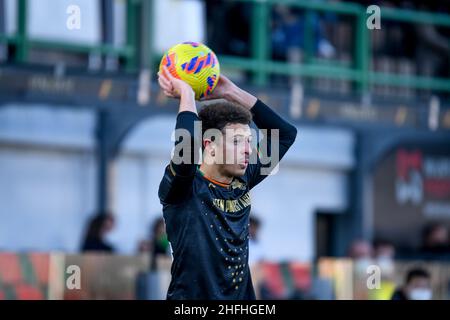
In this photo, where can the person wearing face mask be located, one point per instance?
(417, 286)
(384, 254)
(361, 252)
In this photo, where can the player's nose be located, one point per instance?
(248, 149)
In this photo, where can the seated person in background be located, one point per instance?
(159, 243)
(360, 249)
(435, 239)
(383, 249)
(384, 254)
(417, 286)
(256, 252)
(98, 227)
(361, 252)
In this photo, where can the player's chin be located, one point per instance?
(239, 170)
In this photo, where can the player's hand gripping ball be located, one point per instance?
(194, 63)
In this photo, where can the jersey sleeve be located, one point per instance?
(176, 184)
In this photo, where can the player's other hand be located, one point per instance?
(224, 88)
(171, 86)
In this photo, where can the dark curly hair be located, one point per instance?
(218, 115)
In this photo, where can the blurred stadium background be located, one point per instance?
(85, 135)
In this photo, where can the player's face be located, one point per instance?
(235, 149)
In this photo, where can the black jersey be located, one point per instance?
(207, 222)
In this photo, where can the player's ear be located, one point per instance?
(207, 145)
(210, 146)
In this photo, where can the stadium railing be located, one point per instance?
(260, 63)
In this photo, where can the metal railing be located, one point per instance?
(23, 43)
(359, 71)
(260, 63)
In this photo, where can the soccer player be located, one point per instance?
(206, 207)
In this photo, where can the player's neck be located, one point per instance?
(212, 172)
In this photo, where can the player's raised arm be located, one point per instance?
(265, 118)
(176, 184)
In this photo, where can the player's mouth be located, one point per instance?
(244, 164)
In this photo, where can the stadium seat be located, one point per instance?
(10, 269)
(301, 275)
(27, 292)
(273, 279)
(41, 263)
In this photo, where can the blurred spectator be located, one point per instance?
(360, 249)
(255, 259)
(433, 45)
(159, 243)
(256, 252)
(383, 249)
(361, 252)
(148, 284)
(384, 254)
(98, 227)
(417, 286)
(144, 246)
(225, 37)
(288, 34)
(435, 239)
